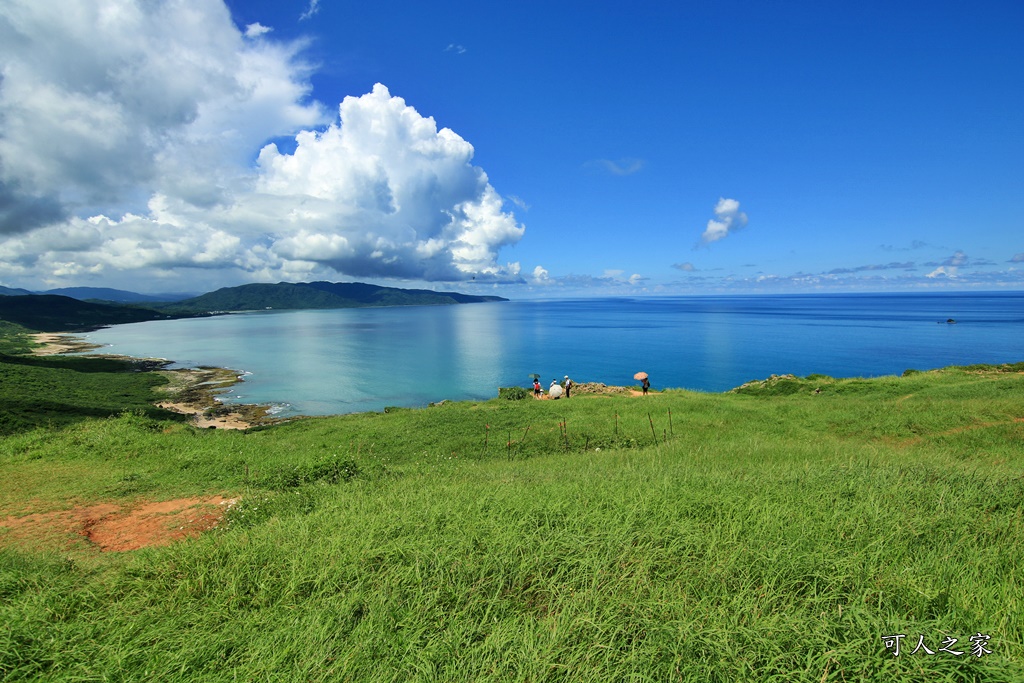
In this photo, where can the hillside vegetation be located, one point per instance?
(54, 313)
(768, 535)
(306, 295)
(58, 313)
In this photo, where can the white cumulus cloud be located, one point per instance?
(101, 101)
(943, 271)
(402, 196)
(130, 150)
(256, 30)
(728, 219)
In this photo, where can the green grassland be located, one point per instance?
(777, 533)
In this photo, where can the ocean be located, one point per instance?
(324, 362)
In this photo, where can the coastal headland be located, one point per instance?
(191, 391)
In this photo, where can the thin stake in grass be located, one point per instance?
(653, 433)
(563, 430)
(670, 431)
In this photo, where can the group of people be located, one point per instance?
(555, 390)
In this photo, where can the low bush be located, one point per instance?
(514, 393)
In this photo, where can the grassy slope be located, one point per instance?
(57, 391)
(766, 537)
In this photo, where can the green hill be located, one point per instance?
(53, 313)
(285, 295)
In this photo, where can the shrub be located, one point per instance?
(331, 471)
(514, 393)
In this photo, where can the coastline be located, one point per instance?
(194, 391)
(191, 391)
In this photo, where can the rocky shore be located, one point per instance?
(190, 391)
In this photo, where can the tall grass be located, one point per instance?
(759, 537)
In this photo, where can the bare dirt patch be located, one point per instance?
(110, 527)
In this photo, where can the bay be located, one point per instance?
(322, 362)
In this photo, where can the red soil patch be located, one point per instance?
(110, 527)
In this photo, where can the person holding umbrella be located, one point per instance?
(645, 382)
(555, 390)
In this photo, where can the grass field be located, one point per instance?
(781, 533)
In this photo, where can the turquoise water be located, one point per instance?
(352, 360)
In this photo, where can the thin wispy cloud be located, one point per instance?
(518, 201)
(956, 260)
(314, 7)
(907, 265)
(1017, 258)
(622, 167)
(616, 275)
(685, 267)
(914, 245)
(728, 219)
(457, 49)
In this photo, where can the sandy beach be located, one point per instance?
(56, 343)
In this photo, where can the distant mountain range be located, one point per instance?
(52, 313)
(285, 295)
(84, 308)
(118, 296)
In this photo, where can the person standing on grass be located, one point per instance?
(537, 391)
(646, 384)
(568, 385)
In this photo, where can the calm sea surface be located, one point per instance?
(351, 360)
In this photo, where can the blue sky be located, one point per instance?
(591, 148)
